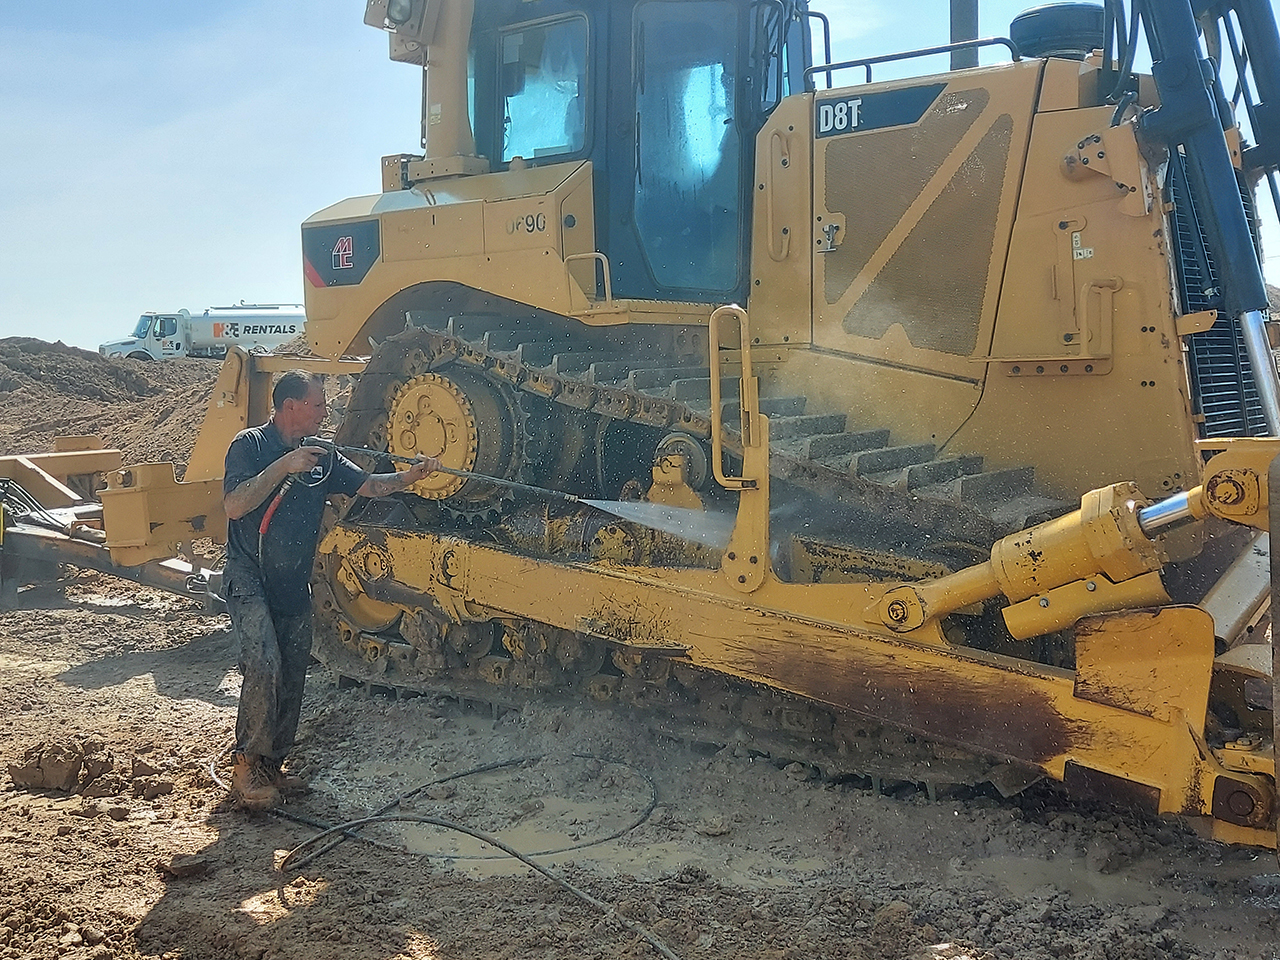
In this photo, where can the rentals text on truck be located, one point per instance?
(247, 325)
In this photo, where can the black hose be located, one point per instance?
(335, 835)
(555, 878)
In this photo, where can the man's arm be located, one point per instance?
(385, 484)
(245, 498)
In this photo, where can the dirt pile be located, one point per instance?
(152, 411)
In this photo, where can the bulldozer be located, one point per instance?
(917, 428)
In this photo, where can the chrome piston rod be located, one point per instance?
(1166, 513)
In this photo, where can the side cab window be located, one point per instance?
(543, 87)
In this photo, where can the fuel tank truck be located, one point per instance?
(833, 378)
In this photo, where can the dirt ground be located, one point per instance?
(128, 695)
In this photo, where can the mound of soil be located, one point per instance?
(150, 410)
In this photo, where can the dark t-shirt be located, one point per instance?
(284, 573)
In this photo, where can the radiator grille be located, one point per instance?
(1222, 384)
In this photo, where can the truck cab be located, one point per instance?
(156, 336)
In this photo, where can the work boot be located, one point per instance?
(284, 782)
(251, 784)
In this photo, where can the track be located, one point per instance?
(583, 414)
(556, 406)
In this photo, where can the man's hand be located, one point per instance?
(421, 470)
(303, 459)
(385, 484)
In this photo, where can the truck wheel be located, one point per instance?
(139, 356)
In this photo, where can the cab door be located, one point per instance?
(172, 344)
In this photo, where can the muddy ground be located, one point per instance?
(129, 696)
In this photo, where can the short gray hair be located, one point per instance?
(294, 385)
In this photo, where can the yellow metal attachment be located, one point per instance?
(1093, 560)
(670, 484)
(432, 417)
(746, 560)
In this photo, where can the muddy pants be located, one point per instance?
(274, 653)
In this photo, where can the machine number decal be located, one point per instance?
(529, 223)
(836, 116)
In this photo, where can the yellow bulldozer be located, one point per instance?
(917, 428)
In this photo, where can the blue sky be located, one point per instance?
(163, 155)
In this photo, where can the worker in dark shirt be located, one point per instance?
(274, 492)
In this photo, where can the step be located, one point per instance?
(770, 406)
(1028, 509)
(829, 445)
(698, 390)
(607, 371)
(998, 484)
(427, 319)
(891, 458)
(501, 341)
(573, 363)
(925, 474)
(784, 428)
(983, 488)
(661, 378)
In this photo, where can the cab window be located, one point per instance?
(168, 327)
(689, 147)
(543, 83)
(143, 328)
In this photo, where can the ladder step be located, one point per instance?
(891, 458)
(662, 377)
(997, 484)
(806, 426)
(835, 444)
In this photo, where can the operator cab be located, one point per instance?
(665, 97)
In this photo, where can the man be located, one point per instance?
(267, 577)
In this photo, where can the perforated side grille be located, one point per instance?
(1222, 383)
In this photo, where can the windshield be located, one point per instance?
(144, 324)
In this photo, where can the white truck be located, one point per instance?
(182, 334)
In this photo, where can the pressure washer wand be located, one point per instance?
(510, 484)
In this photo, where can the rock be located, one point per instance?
(797, 771)
(713, 827)
(1104, 856)
(148, 788)
(92, 934)
(184, 865)
(118, 812)
(47, 767)
(110, 785)
(94, 767)
(142, 769)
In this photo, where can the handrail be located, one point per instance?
(748, 396)
(868, 62)
(604, 265)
